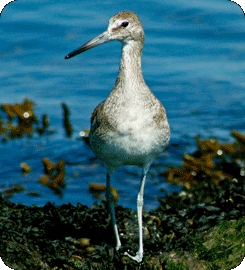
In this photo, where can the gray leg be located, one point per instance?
(139, 255)
(110, 201)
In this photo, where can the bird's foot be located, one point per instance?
(118, 246)
(138, 257)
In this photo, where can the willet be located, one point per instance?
(130, 127)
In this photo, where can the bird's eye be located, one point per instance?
(124, 24)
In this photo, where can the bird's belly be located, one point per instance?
(130, 144)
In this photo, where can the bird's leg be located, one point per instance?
(110, 201)
(139, 255)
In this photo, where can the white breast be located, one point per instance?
(135, 141)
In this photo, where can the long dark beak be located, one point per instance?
(100, 39)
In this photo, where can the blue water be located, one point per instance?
(193, 61)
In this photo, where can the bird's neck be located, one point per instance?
(130, 72)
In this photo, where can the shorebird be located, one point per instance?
(130, 127)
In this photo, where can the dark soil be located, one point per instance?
(69, 237)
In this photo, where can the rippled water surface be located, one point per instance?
(193, 61)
